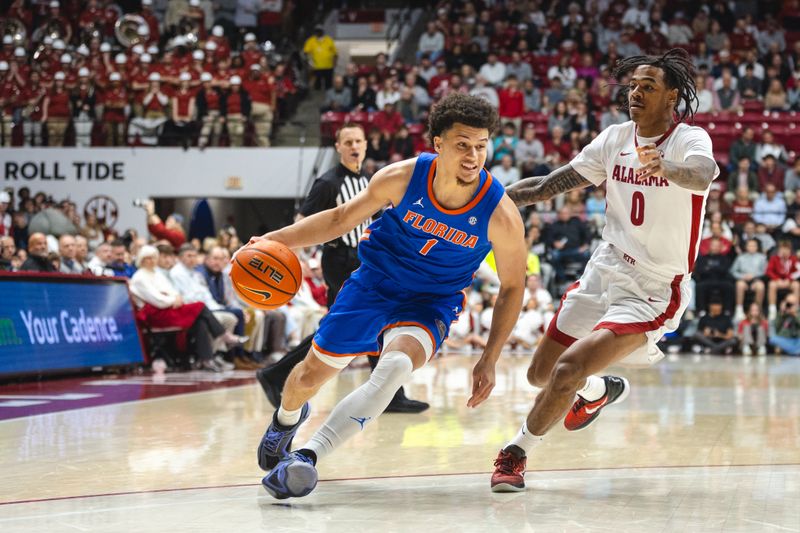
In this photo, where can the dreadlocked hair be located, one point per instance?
(679, 74)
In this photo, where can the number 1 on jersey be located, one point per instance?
(428, 245)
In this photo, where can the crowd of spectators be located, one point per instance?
(185, 76)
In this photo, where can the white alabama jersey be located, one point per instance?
(655, 223)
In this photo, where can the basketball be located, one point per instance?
(266, 274)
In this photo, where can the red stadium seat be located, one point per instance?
(753, 105)
(416, 129)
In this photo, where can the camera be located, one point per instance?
(140, 202)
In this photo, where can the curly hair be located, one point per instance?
(464, 109)
(679, 73)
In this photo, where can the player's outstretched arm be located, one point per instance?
(386, 187)
(540, 188)
(695, 174)
(507, 234)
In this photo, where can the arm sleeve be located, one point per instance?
(321, 197)
(590, 162)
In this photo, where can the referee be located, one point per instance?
(339, 257)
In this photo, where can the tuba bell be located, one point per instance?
(16, 29)
(127, 29)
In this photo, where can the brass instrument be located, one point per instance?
(127, 29)
(16, 29)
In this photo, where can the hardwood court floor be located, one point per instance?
(701, 444)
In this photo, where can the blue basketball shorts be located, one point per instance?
(369, 303)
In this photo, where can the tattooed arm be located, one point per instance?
(695, 174)
(537, 189)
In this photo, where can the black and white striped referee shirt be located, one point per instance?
(333, 188)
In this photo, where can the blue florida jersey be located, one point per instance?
(424, 247)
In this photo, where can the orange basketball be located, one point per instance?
(266, 274)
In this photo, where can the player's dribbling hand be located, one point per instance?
(252, 240)
(482, 383)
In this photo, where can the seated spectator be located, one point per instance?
(544, 300)
(303, 308)
(493, 71)
(553, 94)
(791, 230)
(716, 204)
(119, 260)
(776, 98)
(712, 276)
(5, 216)
(506, 142)
(716, 231)
(529, 151)
(407, 106)
(560, 118)
(532, 97)
(743, 176)
(744, 146)
(388, 94)
(584, 125)
(769, 146)
(402, 145)
(38, 258)
(160, 305)
(770, 208)
(512, 102)
(236, 109)
(506, 172)
(67, 251)
(338, 97)
(726, 98)
(564, 72)
(521, 70)
(99, 265)
(192, 287)
(364, 98)
(715, 331)
(749, 85)
(787, 327)
(748, 270)
(791, 181)
(377, 147)
(783, 271)
(530, 326)
(568, 239)
(388, 121)
(466, 331)
(7, 251)
(170, 230)
(770, 172)
(82, 253)
(431, 43)
(483, 90)
(753, 331)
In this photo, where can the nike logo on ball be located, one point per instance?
(264, 294)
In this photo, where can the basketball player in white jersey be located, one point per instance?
(657, 171)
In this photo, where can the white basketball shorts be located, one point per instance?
(614, 294)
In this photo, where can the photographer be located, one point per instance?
(169, 230)
(787, 327)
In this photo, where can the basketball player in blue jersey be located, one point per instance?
(446, 213)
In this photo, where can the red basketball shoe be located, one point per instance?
(509, 473)
(584, 412)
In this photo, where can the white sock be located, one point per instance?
(526, 440)
(594, 389)
(288, 418)
(362, 405)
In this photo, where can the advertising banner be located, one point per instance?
(56, 323)
(105, 181)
